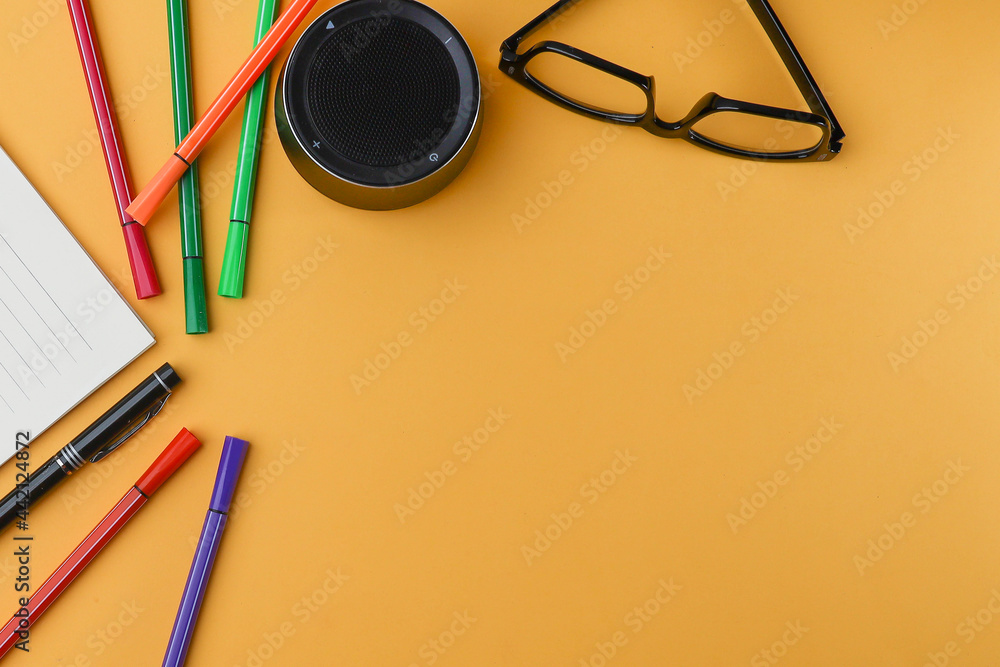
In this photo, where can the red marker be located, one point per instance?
(143, 274)
(176, 453)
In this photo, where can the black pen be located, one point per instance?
(102, 437)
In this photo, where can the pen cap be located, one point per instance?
(234, 451)
(169, 460)
(168, 376)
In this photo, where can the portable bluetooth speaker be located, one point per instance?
(379, 103)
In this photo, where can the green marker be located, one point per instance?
(234, 263)
(195, 308)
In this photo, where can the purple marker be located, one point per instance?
(234, 451)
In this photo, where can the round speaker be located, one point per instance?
(378, 105)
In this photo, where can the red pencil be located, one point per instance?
(176, 453)
(151, 196)
(143, 274)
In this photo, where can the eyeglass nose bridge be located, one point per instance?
(677, 129)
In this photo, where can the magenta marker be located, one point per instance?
(234, 452)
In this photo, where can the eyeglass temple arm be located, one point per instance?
(797, 67)
(775, 31)
(511, 43)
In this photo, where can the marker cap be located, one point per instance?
(146, 202)
(195, 304)
(170, 459)
(234, 452)
(234, 263)
(143, 274)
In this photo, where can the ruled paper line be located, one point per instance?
(33, 342)
(23, 360)
(30, 305)
(40, 285)
(14, 381)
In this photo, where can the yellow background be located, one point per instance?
(737, 233)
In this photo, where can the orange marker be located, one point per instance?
(147, 201)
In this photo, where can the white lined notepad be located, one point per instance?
(64, 329)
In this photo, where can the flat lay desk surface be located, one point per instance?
(606, 399)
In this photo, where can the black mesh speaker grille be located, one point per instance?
(383, 91)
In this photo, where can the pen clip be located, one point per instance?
(153, 411)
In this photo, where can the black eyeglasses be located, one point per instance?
(731, 127)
